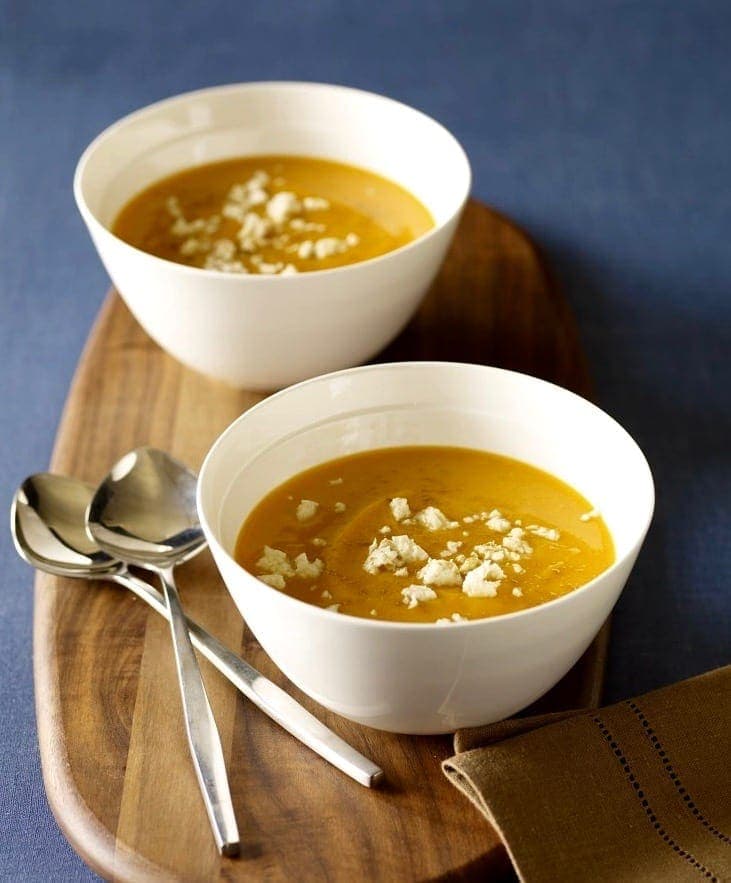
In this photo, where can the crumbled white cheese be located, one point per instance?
(548, 533)
(439, 572)
(518, 593)
(485, 550)
(328, 246)
(333, 607)
(469, 563)
(276, 580)
(339, 507)
(306, 509)
(469, 519)
(455, 617)
(225, 249)
(587, 516)
(351, 240)
(483, 581)
(305, 249)
(282, 206)
(253, 232)
(491, 570)
(275, 561)
(451, 548)
(310, 226)
(205, 226)
(194, 245)
(393, 553)
(288, 270)
(269, 269)
(381, 556)
(243, 197)
(402, 571)
(318, 541)
(374, 612)
(400, 508)
(409, 551)
(515, 543)
(413, 595)
(214, 263)
(434, 519)
(315, 203)
(384, 529)
(517, 568)
(496, 521)
(306, 569)
(325, 594)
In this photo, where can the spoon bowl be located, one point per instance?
(144, 512)
(47, 522)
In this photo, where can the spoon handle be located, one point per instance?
(266, 695)
(200, 724)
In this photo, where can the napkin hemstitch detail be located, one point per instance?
(649, 812)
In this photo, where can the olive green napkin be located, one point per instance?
(640, 790)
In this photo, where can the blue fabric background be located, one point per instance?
(602, 127)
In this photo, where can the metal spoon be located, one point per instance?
(144, 513)
(48, 526)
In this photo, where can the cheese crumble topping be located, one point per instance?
(275, 561)
(264, 220)
(478, 572)
(455, 617)
(400, 508)
(548, 533)
(497, 522)
(307, 569)
(434, 519)
(393, 553)
(439, 572)
(413, 595)
(306, 509)
(476, 586)
(276, 580)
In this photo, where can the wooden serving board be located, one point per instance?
(115, 760)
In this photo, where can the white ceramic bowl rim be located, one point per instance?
(381, 623)
(111, 130)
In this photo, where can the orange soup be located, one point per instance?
(425, 534)
(272, 215)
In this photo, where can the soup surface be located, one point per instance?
(272, 215)
(424, 534)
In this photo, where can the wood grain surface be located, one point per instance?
(114, 756)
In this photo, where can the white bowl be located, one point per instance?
(424, 678)
(263, 332)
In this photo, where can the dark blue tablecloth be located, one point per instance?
(602, 127)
